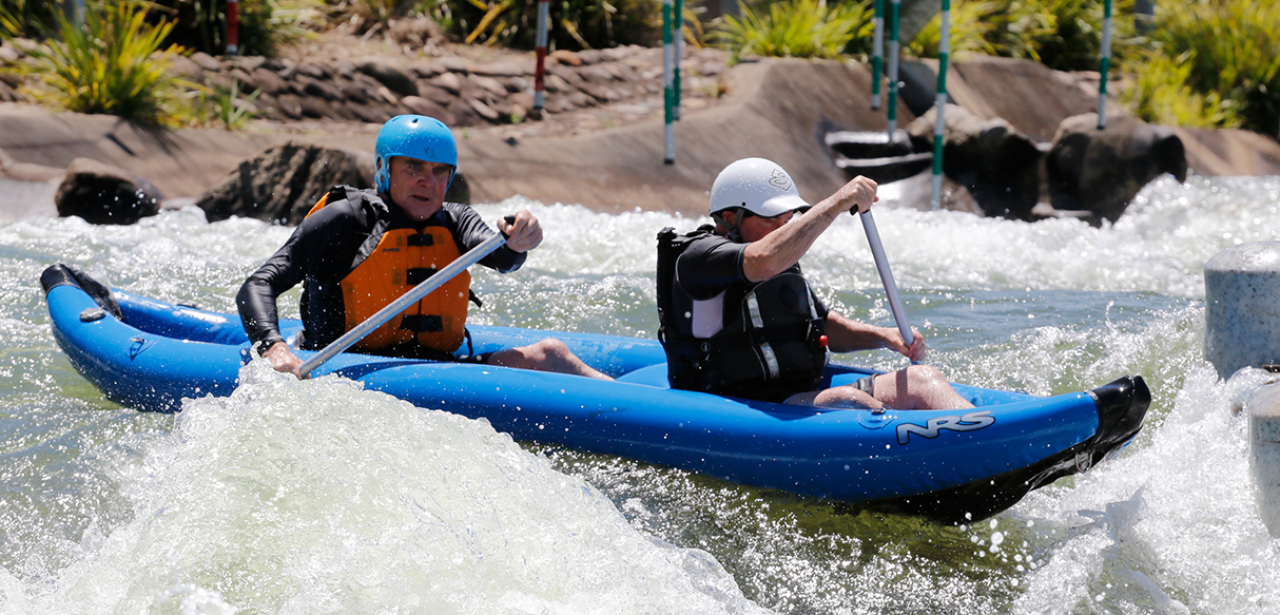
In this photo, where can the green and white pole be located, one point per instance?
(668, 97)
(677, 42)
(877, 55)
(893, 67)
(1106, 65)
(939, 129)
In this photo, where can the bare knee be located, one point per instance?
(925, 376)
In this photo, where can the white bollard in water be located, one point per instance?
(1264, 453)
(1242, 307)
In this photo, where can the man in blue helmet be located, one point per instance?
(359, 250)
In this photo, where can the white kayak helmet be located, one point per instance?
(757, 185)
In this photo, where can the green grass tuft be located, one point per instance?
(794, 28)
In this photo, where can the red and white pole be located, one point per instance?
(540, 71)
(233, 18)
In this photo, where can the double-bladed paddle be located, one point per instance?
(886, 276)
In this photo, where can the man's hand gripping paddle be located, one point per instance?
(472, 257)
(886, 276)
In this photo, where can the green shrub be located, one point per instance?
(1232, 48)
(795, 28)
(220, 106)
(28, 18)
(572, 24)
(1160, 95)
(261, 25)
(112, 65)
(970, 28)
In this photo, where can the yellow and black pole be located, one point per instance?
(939, 129)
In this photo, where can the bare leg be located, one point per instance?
(549, 355)
(844, 397)
(919, 387)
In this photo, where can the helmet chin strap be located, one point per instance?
(734, 234)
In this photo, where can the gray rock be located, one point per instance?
(448, 82)
(315, 71)
(421, 106)
(282, 183)
(249, 63)
(206, 61)
(267, 81)
(455, 65)
(322, 89)
(508, 68)
(315, 108)
(389, 75)
(998, 165)
(1102, 170)
(488, 84)
(104, 194)
(484, 110)
(435, 94)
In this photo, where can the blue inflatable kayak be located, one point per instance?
(150, 355)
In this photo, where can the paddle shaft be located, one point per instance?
(886, 276)
(472, 257)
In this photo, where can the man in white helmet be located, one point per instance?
(738, 317)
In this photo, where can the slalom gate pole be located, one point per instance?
(894, 7)
(677, 42)
(233, 21)
(1106, 65)
(668, 97)
(939, 132)
(540, 68)
(877, 55)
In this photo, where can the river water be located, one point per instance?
(318, 497)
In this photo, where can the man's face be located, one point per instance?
(754, 228)
(418, 186)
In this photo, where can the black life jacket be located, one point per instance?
(771, 344)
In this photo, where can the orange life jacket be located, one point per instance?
(403, 259)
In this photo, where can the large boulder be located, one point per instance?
(1102, 170)
(998, 165)
(103, 194)
(283, 182)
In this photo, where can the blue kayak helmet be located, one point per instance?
(415, 136)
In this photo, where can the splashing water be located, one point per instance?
(292, 497)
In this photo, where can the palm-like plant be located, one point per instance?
(795, 28)
(112, 65)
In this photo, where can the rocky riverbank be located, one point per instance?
(600, 141)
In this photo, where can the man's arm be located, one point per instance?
(470, 231)
(783, 248)
(847, 335)
(319, 242)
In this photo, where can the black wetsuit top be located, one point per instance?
(713, 264)
(732, 360)
(326, 247)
